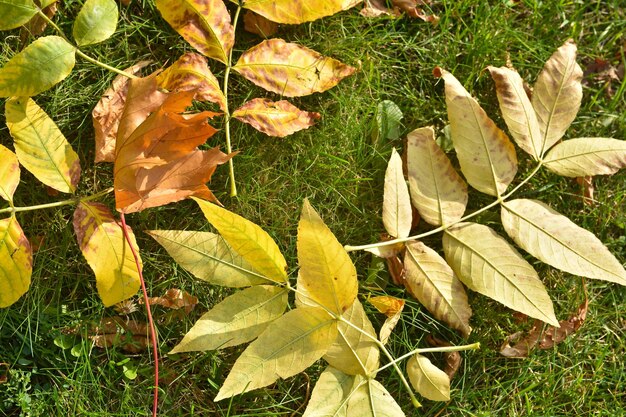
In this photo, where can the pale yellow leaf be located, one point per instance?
(387, 251)
(9, 173)
(16, 262)
(486, 154)
(288, 346)
(236, 320)
(431, 280)
(297, 11)
(40, 146)
(556, 240)
(487, 264)
(557, 94)
(330, 394)
(397, 213)
(587, 157)
(102, 243)
(391, 307)
(437, 191)
(369, 398)
(208, 257)
(251, 242)
(326, 271)
(517, 110)
(354, 353)
(430, 381)
(289, 69)
(275, 118)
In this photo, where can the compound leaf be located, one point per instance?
(102, 243)
(40, 146)
(437, 191)
(275, 118)
(297, 11)
(330, 394)
(96, 22)
(9, 173)
(587, 157)
(487, 264)
(430, 381)
(16, 262)
(397, 212)
(238, 319)
(486, 154)
(251, 242)
(41, 65)
(288, 346)
(16, 13)
(290, 69)
(554, 239)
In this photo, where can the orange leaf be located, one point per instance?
(280, 118)
(259, 25)
(175, 299)
(392, 308)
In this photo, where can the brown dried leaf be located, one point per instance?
(259, 25)
(586, 184)
(129, 335)
(279, 118)
(176, 299)
(396, 270)
(453, 359)
(376, 8)
(4, 375)
(38, 24)
(602, 71)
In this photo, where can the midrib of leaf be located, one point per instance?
(3, 240)
(352, 351)
(552, 108)
(527, 117)
(540, 230)
(593, 153)
(210, 28)
(371, 397)
(435, 178)
(332, 287)
(426, 375)
(271, 64)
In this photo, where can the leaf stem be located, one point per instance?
(473, 346)
(350, 248)
(155, 347)
(231, 166)
(71, 201)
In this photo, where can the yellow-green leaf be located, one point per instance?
(397, 212)
(23, 76)
(208, 257)
(205, 24)
(40, 146)
(96, 22)
(437, 190)
(486, 154)
(354, 353)
(297, 11)
(191, 72)
(517, 110)
(251, 242)
(16, 262)
(289, 69)
(431, 280)
(587, 157)
(557, 94)
(430, 381)
(275, 118)
(9, 173)
(369, 398)
(330, 394)
(102, 243)
(326, 274)
(236, 320)
(487, 264)
(16, 13)
(556, 240)
(288, 346)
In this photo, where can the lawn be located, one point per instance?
(337, 166)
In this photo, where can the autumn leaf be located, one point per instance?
(289, 69)
(329, 395)
(297, 11)
(275, 118)
(370, 398)
(9, 173)
(37, 24)
(453, 359)
(427, 379)
(392, 308)
(107, 252)
(16, 262)
(96, 22)
(129, 335)
(175, 299)
(587, 157)
(16, 13)
(259, 25)
(397, 213)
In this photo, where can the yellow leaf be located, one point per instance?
(297, 11)
(437, 191)
(354, 353)
(40, 146)
(431, 280)
(329, 395)
(275, 118)
(208, 257)
(102, 243)
(370, 398)
(289, 69)
(288, 346)
(326, 274)
(191, 72)
(9, 173)
(430, 381)
(517, 111)
(397, 212)
(587, 157)
(556, 240)
(16, 13)
(251, 242)
(391, 307)
(236, 320)
(96, 22)
(16, 262)
(486, 154)
(487, 264)
(557, 94)
(204, 24)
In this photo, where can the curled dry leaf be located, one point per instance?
(275, 118)
(259, 25)
(376, 8)
(396, 270)
(37, 24)
(392, 308)
(587, 188)
(176, 299)
(453, 359)
(129, 335)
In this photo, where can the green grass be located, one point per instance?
(334, 165)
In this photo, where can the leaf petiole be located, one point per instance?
(71, 201)
(473, 346)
